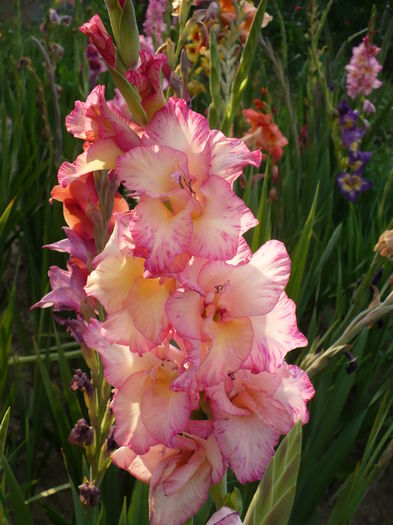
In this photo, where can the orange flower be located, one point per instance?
(80, 198)
(264, 134)
(247, 10)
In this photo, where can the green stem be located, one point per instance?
(218, 492)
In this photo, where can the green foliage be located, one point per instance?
(273, 499)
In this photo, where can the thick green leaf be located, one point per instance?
(19, 508)
(123, 514)
(138, 511)
(273, 499)
(301, 251)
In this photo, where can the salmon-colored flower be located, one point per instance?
(80, 201)
(264, 134)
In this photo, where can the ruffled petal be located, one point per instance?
(126, 405)
(275, 334)
(181, 505)
(180, 128)
(161, 236)
(119, 362)
(230, 156)
(112, 280)
(253, 288)
(184, 311)
(147, 307)
(119, 328)
(248, 445)
(100, 155)
(164, 412)
(223, 220)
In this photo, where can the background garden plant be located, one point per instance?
(341, 287)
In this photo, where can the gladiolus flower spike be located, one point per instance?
(186, 320)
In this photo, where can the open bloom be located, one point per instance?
(264, 134)
(183, 175)
(179, 477)
(147, 411)
(106, 131)
(352, 185)
(230, 317)
(250, 413)
(135, 304)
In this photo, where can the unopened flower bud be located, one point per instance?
(79, 381)
(225, 516)
(89, 494)
(385, 244)
(99, 36)
(81, 434)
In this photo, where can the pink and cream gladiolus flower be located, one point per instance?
(134, 303)
(106, 131)
(251, 411)
(179, 477)
(147, 411)
(228, 316)
(182, 174)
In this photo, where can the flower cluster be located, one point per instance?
(154, 25)
(363, 69)
(352, 130)
(231, 22)
(192, 328)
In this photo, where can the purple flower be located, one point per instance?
(351, 133)
(358, 161)
(351, 185)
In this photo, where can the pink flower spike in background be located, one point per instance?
(363, 69)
